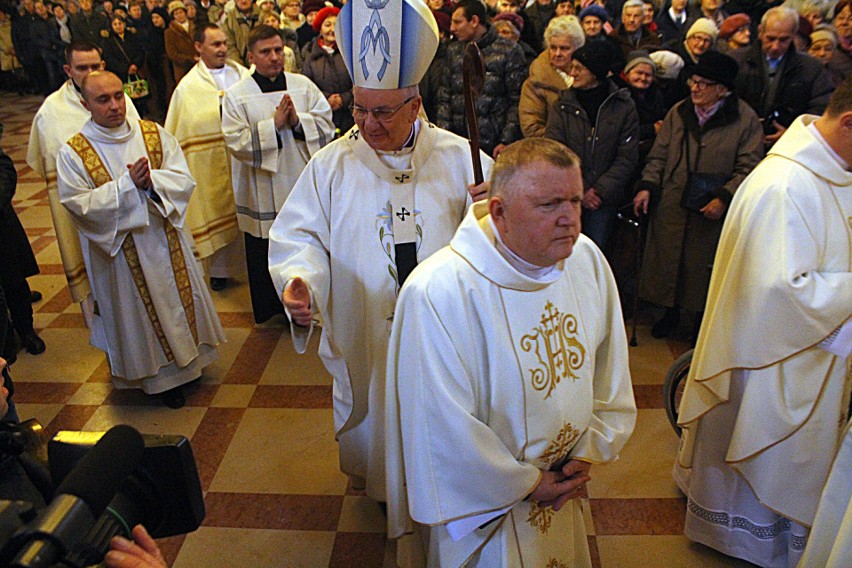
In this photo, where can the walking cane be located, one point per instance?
(473, 73)
(637, 224)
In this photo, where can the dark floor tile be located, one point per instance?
(57, 304)
(170, 547)
(291, 396)
(638, 516)
(365, 550)
(41, 243)
(253, 356)
(50, 269)
(71, 417)
(594, 552)
(44, 393)
(648, 396)
(68, 321)
(211, 440)
(101, 374)
(277, 512)
(236, 319)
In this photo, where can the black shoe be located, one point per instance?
(35, 296)
(218, 284)
(173, 398)
(33, 343)
(667, 324)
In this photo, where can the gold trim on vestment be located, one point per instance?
(100, 176)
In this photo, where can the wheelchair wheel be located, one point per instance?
(673, 387)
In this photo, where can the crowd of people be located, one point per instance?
(333, 138)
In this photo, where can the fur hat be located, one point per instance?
(703, 26)
(717, 67)
(175, 5)
(732, 24)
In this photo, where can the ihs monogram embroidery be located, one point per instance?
(557, 348)
(540, 517)
(558, 449)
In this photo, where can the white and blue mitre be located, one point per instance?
(387, 44)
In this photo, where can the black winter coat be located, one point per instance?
(329, 73)
(804, 86)
(16, 257)
(609, 152)
(497, 105)
(119, 53)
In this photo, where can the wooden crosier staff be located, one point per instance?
(473, 73)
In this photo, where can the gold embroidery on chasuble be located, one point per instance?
(540, 517)
(100, 176)
(557, 348)
(558, 449)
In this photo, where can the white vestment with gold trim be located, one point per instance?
(494, 377)
(195, 119)
(59, 118)
(161, 327)
(336, 232)
(764, 405)
(267, 162)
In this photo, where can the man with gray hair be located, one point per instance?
(631, 34)
(776, 80)
(518, 317)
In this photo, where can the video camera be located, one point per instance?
(107, 484)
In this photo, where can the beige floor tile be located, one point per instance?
(283, 451)
(661, 551)
(361, 514)
(286, 367)
(55, 364)
(41, 321)
(234, 298)
(38, 216)
(91, 393)
(148, 419)
(645, 464)
(227, 353)
(233, 396)
(44, 413)
(50, 254)
(49, 285)
(649, 360)
(211, 547)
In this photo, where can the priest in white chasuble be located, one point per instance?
(507, 377)
(273, 123)
(367, 209)
(126, 185)
(60, 117)
(767, 396)
(195, 119)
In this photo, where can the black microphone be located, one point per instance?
(80, 498)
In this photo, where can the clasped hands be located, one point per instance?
(140, 173)
(558, 487)
(285, 114)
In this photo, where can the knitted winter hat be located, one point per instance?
(703, 26)
(669, 64)
(175, 5)
(594, 10)
(634, 58)
(512, 18)
(824, 32)
(596, 56)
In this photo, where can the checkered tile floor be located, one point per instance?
(260, 422)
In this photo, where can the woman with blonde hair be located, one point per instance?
(549, 73)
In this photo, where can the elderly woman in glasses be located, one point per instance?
(549, 73)
(707, 145)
